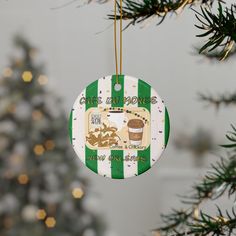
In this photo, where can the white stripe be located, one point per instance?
(136, 130)
(104, 86)
(78, 128)
(157, 128)
(130, 89)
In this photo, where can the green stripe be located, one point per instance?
(91, 155)
(117, 163)
(92, 92)
(91, 159)
(144, 91)
(70, 125)
(167, 127)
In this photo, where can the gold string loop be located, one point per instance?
(115, 39)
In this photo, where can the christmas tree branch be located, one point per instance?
(220, 29)
(222, 177)
(229, 99)
(215, 55)
(204, 224)
(191, 221)
(137, 12)
(175, 221)
(209, 225)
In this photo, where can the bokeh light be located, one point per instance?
(77, 193)
(50, 222)
(39, 149)
(23, 179)
(27, 76)
(41, 214)
(49, 144)
(42, 79)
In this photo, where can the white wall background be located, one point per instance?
(75, 56)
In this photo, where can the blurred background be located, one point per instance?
(62, 50)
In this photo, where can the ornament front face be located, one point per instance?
(119, 134)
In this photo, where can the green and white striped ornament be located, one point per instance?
(119, 134)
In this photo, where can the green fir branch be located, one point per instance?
(209, 225)
(222, 177)
(228, 99)
(139, 11)
(231, 136)
(181, 223)
(220, 29)
(215, 55)
(175, 221)
(192, 221)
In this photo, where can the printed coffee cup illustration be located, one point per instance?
(135, 129)
(117, 117)
(118, 128)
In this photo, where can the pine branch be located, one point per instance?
(222, 177)
(226, 100)
(181, 223)
(215, 55)
(220, 29)
(216, 182)
(209, 225)
(231, 136)
(175, 221)
(139, 11)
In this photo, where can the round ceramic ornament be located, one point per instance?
(119, 131)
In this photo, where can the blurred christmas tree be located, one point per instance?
(41, 190)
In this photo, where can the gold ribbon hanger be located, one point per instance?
(115, 39)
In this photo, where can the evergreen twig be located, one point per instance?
(181, 223)
(220, 28)
(192, 221)
(139, 11)
(229, 99)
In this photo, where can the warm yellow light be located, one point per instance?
(224, 219)
(42, 79)
(27, 76)
(77, 193)
(50, 222)
(23, 179)
(37, 115)
(7, 72)
(50, 145)
(41, 214)
(221, 219)
(196, 213)
(39, 149)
